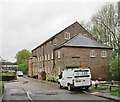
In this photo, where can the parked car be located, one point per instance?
(73, 78)
(19, 73)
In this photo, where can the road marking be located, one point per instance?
(93, 93)
(29, 97)
(85, 92)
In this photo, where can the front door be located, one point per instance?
(40, 71)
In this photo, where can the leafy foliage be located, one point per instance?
(103, 25)
(53, 78)
(8, 74)
(22, 56)
(115, 68)
(23, 67)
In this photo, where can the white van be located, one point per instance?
(72, 78)
(19, 73)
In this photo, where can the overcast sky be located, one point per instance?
(25, 24)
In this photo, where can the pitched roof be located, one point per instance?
(58, 34)
(83, 41)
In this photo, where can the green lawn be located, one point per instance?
(115, 92)
(100, 88)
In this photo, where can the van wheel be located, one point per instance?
(69, 87)
(59, 85)
(86, 88)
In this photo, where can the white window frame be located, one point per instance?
(58, 54)
(92, 53)
(52, 56)
(103, 54)
(48, 69)
(67, 35)
(59, 70)
(42, 58)
(48, 56)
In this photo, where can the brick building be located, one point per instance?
(72, 47)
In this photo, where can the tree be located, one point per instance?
(22, 60)
(22, 56)
(23, 67)
(115, 68)
(104, 25)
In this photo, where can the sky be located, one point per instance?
(25, 24)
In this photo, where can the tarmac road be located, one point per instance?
(33, 89)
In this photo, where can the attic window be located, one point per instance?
(67, 35)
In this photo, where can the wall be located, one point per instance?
(81, 57)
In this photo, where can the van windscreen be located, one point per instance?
(81, 70)
(81, 76)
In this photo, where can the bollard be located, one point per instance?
(96, 85)
(110, 88)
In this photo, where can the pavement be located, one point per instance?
(104, 95)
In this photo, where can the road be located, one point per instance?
(33, 89)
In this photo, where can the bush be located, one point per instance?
(8, 74)
(23, 67)
(115, 68)
(35, 76)
(53, 78)
(1, 88)
(43, 74)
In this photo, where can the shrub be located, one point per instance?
(53, 78)
(43, 74)
(115, 68)
(8, 74)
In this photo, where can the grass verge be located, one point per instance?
(100, 88)
(1, 88)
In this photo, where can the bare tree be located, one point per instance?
(104, 25)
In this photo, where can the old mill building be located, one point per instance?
(70, 48)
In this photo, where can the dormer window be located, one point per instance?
(67, 35)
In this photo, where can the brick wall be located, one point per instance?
(30, 67)
(81, 57)
(66, 55)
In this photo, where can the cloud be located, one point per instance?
(27, 23)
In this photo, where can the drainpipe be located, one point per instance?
(54, 56)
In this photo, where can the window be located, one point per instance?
(67, 35)
(52, 56)
(92, 53)
(48, 56)
(38, 59)
(42, 58)
(59, 71)
(48, 70)
(103, 53)
(45, 70)
(45, 57)
(58, 54)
